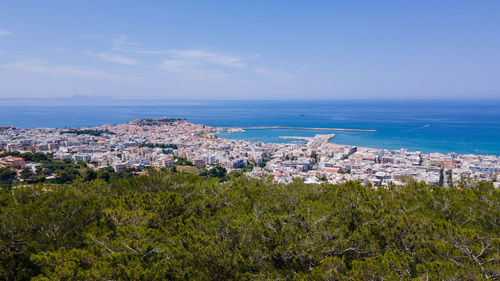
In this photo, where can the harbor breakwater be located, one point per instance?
(297, 128)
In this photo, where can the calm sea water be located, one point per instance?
(428, 126)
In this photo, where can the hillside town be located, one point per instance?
(162, 142)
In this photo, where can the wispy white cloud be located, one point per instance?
(194, 71)
(141, 51)
(178, 66)
(42, 67)
(114, 58)
(196, 64)
(122, 40)
(273, 72)
(209, 57)
(197, 55)
(4, 32)
(197, 61)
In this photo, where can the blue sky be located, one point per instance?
(251, 49)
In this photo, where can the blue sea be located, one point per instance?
(464, 126)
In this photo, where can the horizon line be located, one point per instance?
(109, 98)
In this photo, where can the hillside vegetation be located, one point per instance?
(181, 226)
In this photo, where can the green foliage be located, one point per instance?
(265, 159)
(65, 171)
(36, 157)
(185, 227)
(234, 173)
(314, 157)
(247, 168)
(26, 173)
(7, 175)
(345, 171)
(105, 174)
(441, 177)
(91, 132)
(323, 178)
(215, 172)
(156, 121)
(160, 145)
(449, 174)
(124, 174)
(347, 155)
(5, 128)
(68, 174)
(10, 153)
(182, 161)
(186, 169)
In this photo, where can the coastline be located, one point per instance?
(280, 136)
(157, 143)
(229, 133)
(465, 127)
